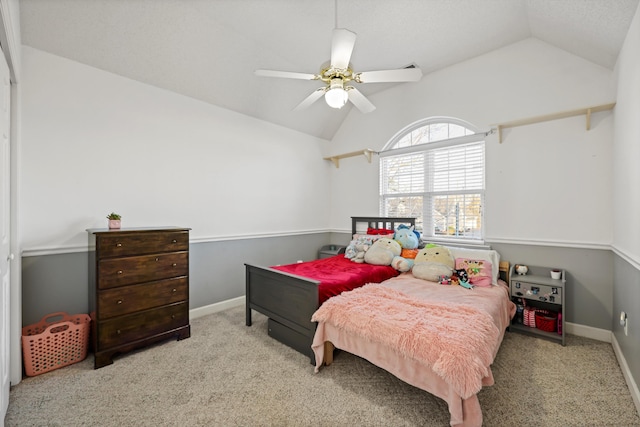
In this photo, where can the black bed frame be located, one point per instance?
(289, 301)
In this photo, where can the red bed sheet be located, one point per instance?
(337, 274)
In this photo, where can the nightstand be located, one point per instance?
(330, 250)
(537, 290)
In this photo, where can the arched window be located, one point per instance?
(434, 170)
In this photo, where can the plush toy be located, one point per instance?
(360, 249)
(358, 241)
(432, 262)
(460, 277)
(402, 264)
(407, 237)
(479, 271)
(465, 284)
(382, 252)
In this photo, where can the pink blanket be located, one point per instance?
(457, 316)
(455, 340)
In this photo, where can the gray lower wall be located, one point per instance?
(59, 282)
(589, 274)
(626, 297)
(52, 283)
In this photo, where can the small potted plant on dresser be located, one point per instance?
(114, 221)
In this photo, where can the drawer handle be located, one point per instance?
(174, 264)
(119, 301)
(119, 271)
(118, 245)
(174, 241)
(118, 332)
(173, 290)
(173, 316)
(157, 259)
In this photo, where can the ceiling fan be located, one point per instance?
(337, 74)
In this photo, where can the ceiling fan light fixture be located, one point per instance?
(336, 96)
(337, 74)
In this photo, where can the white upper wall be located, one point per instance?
(548, 182)
(94, 142)
(626, 155)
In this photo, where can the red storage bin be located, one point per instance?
(546, 320)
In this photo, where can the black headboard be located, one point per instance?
(380, 222)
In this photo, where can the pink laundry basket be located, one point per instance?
(51, 344)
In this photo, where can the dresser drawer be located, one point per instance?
(537, 292)
(115, 272)
(132, 298)
(123, 244)
(137, 326)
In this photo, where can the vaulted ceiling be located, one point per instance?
(209, 49)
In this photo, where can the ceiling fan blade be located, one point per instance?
(342, 43)
(286, 74)
(358, 99)
(315, 95)
(386, 76)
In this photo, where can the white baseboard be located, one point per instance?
(214, 308)
(588, 332)
(633, 387)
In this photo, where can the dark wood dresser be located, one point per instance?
(138, 288)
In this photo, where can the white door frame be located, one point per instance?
(5, 236)
(10, 39)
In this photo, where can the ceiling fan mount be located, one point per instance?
(328, 73)
(338, 72)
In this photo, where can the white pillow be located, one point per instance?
(484, 254)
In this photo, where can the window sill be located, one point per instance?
(466, 243)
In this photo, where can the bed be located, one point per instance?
(439, 338)
(289, 298)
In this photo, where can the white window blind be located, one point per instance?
(435, 172)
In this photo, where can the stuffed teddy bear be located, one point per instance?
(382, 252)
(433, 262)
(360, 249)
(407, 237)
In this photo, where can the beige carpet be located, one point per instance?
(228, 374)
